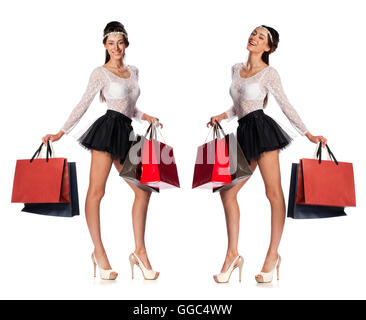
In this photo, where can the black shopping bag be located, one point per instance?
(304, 211)
(68, 209)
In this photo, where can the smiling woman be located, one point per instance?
(115, 40)
(109, 140)
(261, 139)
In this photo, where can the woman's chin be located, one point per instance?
(251, 49)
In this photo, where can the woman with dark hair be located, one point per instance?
(261, 140)
(109, 139)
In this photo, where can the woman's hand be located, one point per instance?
(151, 119)
(218, 118)
(317, 139)
(52, 137)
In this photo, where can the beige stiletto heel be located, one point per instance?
(95, 268)
(132, 263)
(240, 265)
(224, 277)
(147, 274)
(104, 274)
(266, 277)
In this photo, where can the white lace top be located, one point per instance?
(121, 95)
(248, 95)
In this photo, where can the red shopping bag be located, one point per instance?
(150, 170)
(41, 180)
(158, 168)
(325, 182)
(212, 168)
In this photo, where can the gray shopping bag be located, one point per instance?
(131, 170)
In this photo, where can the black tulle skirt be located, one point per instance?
(112, 133)
(258, 132)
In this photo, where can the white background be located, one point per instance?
(184, 51)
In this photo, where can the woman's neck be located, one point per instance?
(118, 63)
(254, 61)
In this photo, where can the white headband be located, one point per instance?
(270, 36)
(115, 32)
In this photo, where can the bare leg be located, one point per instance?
(99, 170)
(269, 167)
(232, 214)
(139, 212)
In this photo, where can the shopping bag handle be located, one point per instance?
(50, 148)
(330, 153)
(157, 130)
(147, 131)
(49, 151)
(318, 153)
(216, 131)
(217, 124)
(152, 132)
(209, 131)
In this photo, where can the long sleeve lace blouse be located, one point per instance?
(121, 95)
(248, 95)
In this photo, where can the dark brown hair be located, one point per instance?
(113, 26)
(273, 44)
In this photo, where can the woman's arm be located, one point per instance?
(217, 118)
(228, 114)
(274, 86)
(138, 114)
(94, 85)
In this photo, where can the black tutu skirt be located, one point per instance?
(258, 132)
(112, 133)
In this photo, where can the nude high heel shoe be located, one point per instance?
(224, 277)
(104, 274)
(266, 277)
(148, 274)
